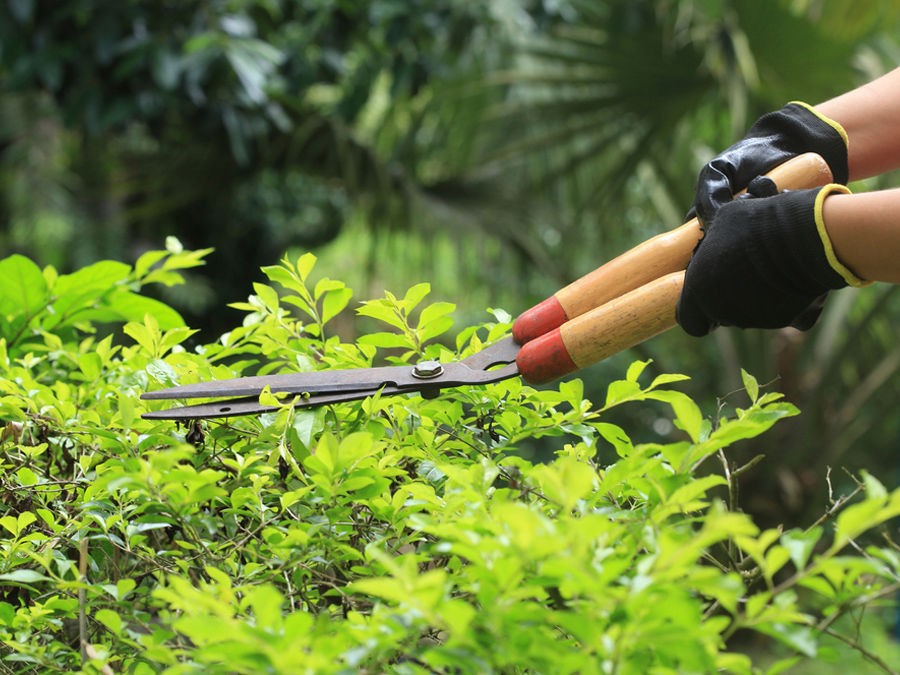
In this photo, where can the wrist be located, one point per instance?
(865, 233)
(826, 195)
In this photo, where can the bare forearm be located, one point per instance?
(870, 115)
(864, 229)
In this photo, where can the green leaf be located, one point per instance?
(23, 576)
(304, 265)
(23, 289)
(565, 481)
(667, 378)
(17, 525)
(620, 391)
(385, 588)
(130, 306)
(687, 495)
(306, 424)
(384, 311)
(267, 295)
(147, 261)
(334, 303)
(751, 385)
(687, 414)
(798, 637)
(800, 545)
(110, 619)
(435, 311)
(145, 334)
(858, 518)
(874, 488)
(635, 369)
(616, 436)
(326, 285)
(386, 340)
(415, 295)
(26, 477)
(266, 602)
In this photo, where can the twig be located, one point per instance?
(866, 654)
(82, 598)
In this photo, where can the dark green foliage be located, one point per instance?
(388, 535)
(246, 125)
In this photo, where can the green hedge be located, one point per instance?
(393, 534)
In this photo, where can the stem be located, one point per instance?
(866, 654)
(82, 598)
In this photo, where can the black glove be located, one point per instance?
(772, 140)
(764, 262)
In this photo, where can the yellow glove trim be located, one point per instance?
(836, 264)
(830, 122)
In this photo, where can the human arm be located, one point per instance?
(870, 116)
(864, 230)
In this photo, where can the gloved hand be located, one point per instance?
(763, 262)
(772, 140)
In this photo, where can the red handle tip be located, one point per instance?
(539, 320)
(545, 359)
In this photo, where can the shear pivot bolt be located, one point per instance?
(427, 370)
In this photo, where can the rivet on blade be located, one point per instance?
(427, 370)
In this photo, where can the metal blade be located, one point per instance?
(290, 383)
(249, 405)
(332, 386)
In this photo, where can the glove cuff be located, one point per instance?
(827, 120)
(836, 264)
(798, 128)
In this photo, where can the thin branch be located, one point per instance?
(865, 653)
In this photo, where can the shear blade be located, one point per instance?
(334, 386)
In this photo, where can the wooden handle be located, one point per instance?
(603, 331)
(652, 259)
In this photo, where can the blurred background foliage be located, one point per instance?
(498, 150)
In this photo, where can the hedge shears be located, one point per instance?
(618, 305)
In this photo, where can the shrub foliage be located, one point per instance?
(394, 534)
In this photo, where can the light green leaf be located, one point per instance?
(620, 391)
(800, 545)
(385, 588)
(26, 478)
(667, 378)
(858, 518)
(415, 295)
(386, 340)
(798, 637)
(635, 369)
(267, 295)
(23, 289)
(130, 306)
(304, 265)
(751, 385)
(616, 436)
(110, 619)
(384, 311)
(334, 303)
(326, 285)
(23, 576)
(306, 424)
(687, 414)
(146, 261)
(435, 311)
(266, 602)
(874, 488)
